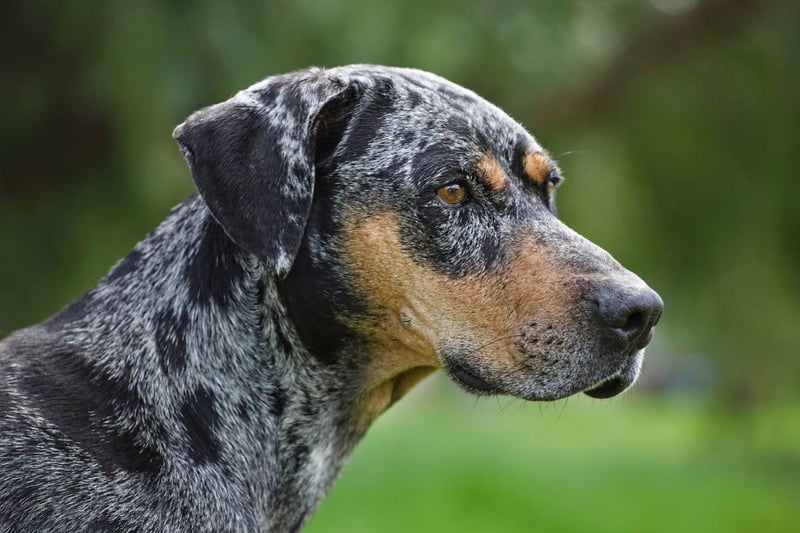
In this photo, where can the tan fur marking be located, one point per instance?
(537, 167)
(422, 311)
(376, 400)
(493, 171)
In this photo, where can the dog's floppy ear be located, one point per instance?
(252, 159)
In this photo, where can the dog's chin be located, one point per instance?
(618, 382)
(607, 385)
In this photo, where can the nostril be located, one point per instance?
(634, 323)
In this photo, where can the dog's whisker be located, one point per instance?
(571, 152)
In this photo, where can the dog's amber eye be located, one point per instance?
(452, 193)
(551, 186)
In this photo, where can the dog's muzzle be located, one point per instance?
(628, 317)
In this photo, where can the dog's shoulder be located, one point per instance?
(58, 445)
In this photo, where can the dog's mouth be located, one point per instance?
(618, 382)
(470, 380)
(608, 388)
(613, 383)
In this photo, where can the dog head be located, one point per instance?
(411, 225)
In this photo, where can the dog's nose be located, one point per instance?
(629, 312)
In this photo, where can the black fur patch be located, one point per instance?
(519, 151)
(127, 265)
(316, 301)
(214, 268)
(104, 525)
(277, 402)
(170, 337)
(299, 454)
(331, 125)
(5, 401)
(243, 410)
(22, 492)
(492, 251)
(436, 166)
(199, 419)
(83, 403)
(74, 312)
(280, 336)
(299, 523)
(370, 115)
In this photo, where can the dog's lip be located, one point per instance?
(618, 381)
(469, 379)
(608, 388)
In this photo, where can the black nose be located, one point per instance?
(629, 312)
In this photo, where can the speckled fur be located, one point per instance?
(221, 373)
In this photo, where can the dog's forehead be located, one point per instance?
(425, 108)
(428, 112)
(450, 109)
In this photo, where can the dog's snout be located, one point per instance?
(629, 313)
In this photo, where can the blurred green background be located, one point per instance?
(677, 125)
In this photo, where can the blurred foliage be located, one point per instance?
(676, 123)
(443, 462)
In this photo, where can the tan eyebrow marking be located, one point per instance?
(493, 172)
(537, 167)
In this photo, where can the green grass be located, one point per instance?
(441, 462)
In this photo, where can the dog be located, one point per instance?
(354, 230)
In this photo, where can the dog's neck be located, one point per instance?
(193, 332)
